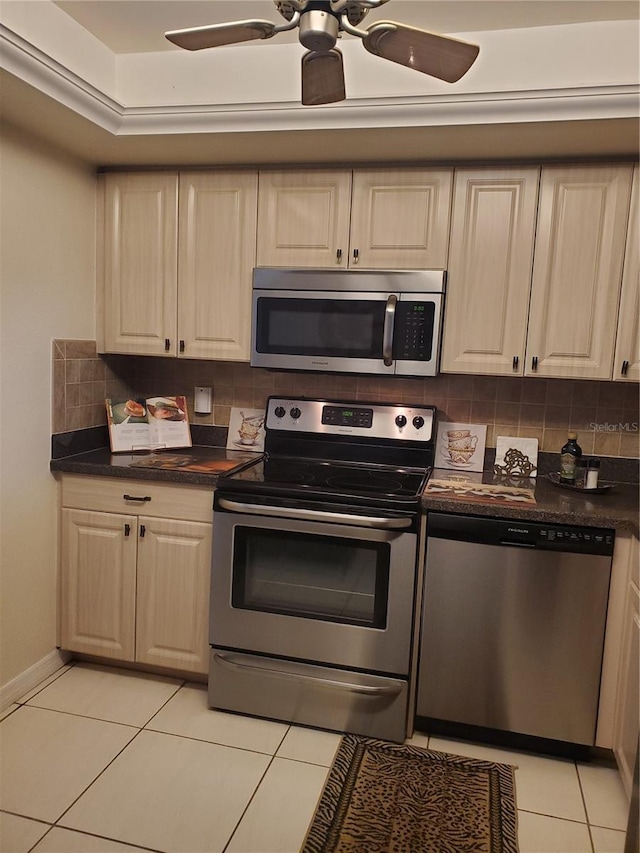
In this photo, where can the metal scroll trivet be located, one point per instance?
(516, 463)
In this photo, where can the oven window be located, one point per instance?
(320, 327)
(314, 577)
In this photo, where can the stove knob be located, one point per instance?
(418, 422)
(401, 421)
(295, 413)
(279, 411)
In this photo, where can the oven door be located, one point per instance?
(315, 586)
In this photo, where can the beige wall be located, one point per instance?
(47, 286)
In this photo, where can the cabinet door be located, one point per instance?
(489, 273)
(582, 223)
(303, 219)
(217, 249)
(626, 365)
(140, 263)
(174, 562)
(400, 218)
(98, 583)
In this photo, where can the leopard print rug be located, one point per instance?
(386, 798)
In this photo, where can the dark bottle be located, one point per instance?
(568, 456)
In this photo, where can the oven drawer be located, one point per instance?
(369, 705)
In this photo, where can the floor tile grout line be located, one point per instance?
(165, 703)
(45, 683)
(249, 801)
(93, 781)
(260, 781)
(95, 835)
(210, 742)
(83, 716)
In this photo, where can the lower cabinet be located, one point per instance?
(134, 586)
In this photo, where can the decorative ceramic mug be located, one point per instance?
(249, 428)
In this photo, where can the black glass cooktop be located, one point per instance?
(307, 477)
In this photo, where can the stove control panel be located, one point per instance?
(373, 420)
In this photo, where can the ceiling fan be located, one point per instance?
(321, 23)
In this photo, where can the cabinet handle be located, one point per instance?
(127, 529)
(516, 361)
(534, 363)
(167, 344)
(181, 346)
(625, 368)
(356, 256)
(143, 530)
(338, 256)
(134, 498)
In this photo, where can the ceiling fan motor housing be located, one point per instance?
(319, 28)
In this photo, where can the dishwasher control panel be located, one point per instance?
(521, 534)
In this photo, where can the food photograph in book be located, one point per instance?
(155, 423)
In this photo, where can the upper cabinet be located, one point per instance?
(534, 277)
(140, 263)
(489, 276)
(216, 257)
(375, 219)
(577, 270)
(177, 260)
(626, 364)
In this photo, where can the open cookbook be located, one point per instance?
(153, 424)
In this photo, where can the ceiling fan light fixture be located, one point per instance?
(218, 35)
(318, 30)
(439, 56)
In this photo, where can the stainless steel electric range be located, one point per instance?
(314, 567)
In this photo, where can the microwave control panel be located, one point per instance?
(413, 331)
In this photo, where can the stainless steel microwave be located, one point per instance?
(348, 321)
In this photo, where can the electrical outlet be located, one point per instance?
(202, 401)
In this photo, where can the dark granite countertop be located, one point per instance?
(103, 463)
(618, 508)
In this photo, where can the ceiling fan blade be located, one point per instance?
(439, 56)
(217, 35)
(322, 78)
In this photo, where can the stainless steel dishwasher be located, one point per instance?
(513, 623)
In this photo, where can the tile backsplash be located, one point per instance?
(604, 414)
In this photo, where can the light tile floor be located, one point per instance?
(103, 760)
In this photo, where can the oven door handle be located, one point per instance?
(387, 330)
(317, 515)
(239, 662)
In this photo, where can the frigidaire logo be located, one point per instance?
(517, 530)
(320, 363)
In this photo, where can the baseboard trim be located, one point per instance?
(30, 678)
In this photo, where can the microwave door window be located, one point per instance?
(320, 327)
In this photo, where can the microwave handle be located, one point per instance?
(387, 330)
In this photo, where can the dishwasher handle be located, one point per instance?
(511, 543)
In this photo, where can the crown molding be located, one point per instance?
(50, 77)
